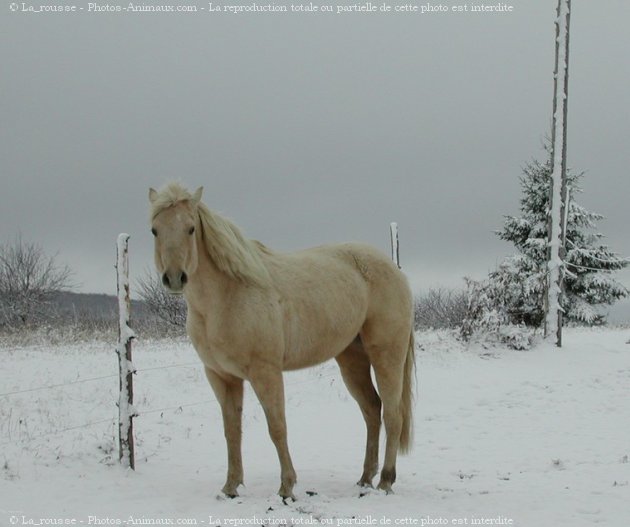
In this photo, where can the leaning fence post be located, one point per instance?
(393, 230)
(126, 412)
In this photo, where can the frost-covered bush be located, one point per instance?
(488, 317)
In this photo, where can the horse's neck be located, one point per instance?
(207, 286)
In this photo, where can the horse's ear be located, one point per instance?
(197, 195)
(152, 195)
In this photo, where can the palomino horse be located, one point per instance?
(253, 313)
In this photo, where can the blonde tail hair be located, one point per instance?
(406, 403)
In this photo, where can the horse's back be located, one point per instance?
(357, 265)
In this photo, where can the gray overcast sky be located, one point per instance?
(305, 128)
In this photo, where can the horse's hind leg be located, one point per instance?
(389, 382)
(229, 393)
(387, 356)
(355, 370)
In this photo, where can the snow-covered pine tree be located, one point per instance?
(590, 264)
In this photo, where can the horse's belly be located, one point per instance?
(313, 353)
(318, 331)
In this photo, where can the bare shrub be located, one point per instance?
(163, 305)
(28, 281)
(440, 308)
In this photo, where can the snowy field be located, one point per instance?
(536, 438)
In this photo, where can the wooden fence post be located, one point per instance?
(126, 411)
(393, 231)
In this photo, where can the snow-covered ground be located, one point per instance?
(535, 438)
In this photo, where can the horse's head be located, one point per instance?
(174, 221)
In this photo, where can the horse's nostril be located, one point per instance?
(165, 280)
(184, 278)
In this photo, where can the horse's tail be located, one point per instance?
(406, 403)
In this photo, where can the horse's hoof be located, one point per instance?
(386, 486)
(366, 489)
(230, 493)
(229, 489)
(289, 497)
(388, 476)
(364, 483)
(286, 489)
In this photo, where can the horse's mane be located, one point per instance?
(231, 252)
(238, 257)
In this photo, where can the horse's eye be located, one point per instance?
(191, 230)
(154, 232)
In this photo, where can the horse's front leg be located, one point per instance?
(269, 388)
(229, 392)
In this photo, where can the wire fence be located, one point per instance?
(90, 379)
(93, 379)
(113, 420)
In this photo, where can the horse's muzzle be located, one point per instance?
(175, 282)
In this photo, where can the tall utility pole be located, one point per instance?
(558, 206)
